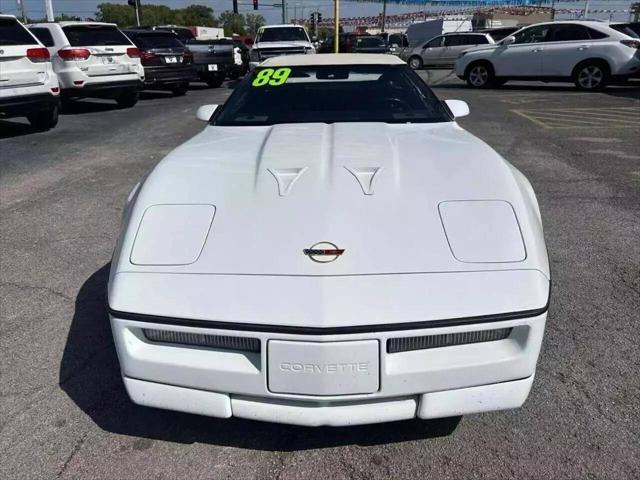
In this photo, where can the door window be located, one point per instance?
(43, 34)
(476, 40)
(535, 34)
(569, 32)
(434, 43)
(455, 40)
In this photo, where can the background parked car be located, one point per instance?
(92, 59)
(276, 40)
(212, 59)
(443, 50)
(354, 43)
(167, 63)
(589, 53)
(28, 86)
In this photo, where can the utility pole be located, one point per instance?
(48, 6)
(24, 15)
(553, 9)
(336, 23)
(586, 9)
(284, 11)
(384, 15)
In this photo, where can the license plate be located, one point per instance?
(171, 59)
(213, 67)
(323, 368)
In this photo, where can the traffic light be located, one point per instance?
(132, 2)
(255, 4)
(235, 6)
(319, 17)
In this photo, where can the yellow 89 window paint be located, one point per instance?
(272, 77)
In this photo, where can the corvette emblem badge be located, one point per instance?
(323, 252)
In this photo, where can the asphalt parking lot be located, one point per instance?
(63, 409)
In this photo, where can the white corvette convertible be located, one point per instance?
(332, 249)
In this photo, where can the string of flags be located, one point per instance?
(407, 18)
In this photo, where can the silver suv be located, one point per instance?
(443, 50)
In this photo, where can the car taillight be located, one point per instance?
(187, 57)
(74, 53)
(133, 52)
(38, 55)
(631, 43)
(146, 56)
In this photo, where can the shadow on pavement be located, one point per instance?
(15, 128)
(90, 376)
(77, 107)
(629, 90)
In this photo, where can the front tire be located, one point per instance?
(45, 119)
(480, 75)
(415, 63)
(128, 99)
(591, 76)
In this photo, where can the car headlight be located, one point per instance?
(309, 50)
(254, 56)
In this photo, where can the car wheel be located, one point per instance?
(415, 63)
(215, 82)
(591, 76)
(44, 120)
(480, 75)
(128, 99)
(180, 89)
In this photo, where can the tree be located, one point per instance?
(233, 23)
(124, 15)
(254, 22)
(196, 15)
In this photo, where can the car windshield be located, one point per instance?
(94, 36)
(370, 42)
(158, 40)
(282, 34)
(330, 93)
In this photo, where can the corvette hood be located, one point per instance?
(249, 200)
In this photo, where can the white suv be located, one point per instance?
(589, 53)
(28, 86)
(93, 59)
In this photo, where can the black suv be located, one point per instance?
(168, 64)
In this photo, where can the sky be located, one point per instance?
(87, 8)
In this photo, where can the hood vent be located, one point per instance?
(242, 344)
(366, 177)
(406, 344)
(286, 177)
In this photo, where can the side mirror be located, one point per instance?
(509, 40)
(205, 111)
(458, 108)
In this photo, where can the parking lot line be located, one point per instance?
(583, 117)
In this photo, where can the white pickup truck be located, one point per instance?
(276, 40)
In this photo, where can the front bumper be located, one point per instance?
(428, 383)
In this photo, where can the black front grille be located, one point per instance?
(406, 344)
(243, 344)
